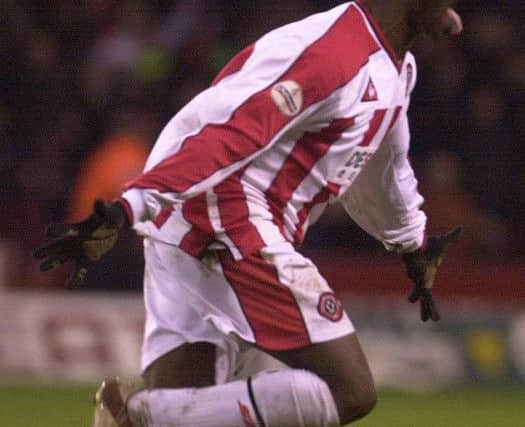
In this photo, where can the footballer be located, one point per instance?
(312, 113)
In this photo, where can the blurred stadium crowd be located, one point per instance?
(86, 86)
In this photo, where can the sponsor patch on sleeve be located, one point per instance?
(288, 96)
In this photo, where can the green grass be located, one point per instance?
(46, 405)
(71, 406)
(460, 407)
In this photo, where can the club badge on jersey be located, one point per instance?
(330, 307)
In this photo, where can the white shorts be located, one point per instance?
(276, 300)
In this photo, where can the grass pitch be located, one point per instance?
(71, 406)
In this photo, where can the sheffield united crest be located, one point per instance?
(330, 307)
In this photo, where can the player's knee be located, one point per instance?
(354, 403)
(362, 405)
(304, 397)
(350, 400)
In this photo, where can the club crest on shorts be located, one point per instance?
(288, 96)
(330, 307)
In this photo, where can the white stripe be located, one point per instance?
(219, 175)
(383, 129)
(262, 69)
(172, 231)
(260, 216)
(216, 223)
(266, 167)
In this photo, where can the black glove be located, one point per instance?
(422, 266)
(84, 242)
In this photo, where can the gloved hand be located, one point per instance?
(84, 242)
(422, 266)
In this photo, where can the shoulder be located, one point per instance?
(340, 38)
(350, 41)
(315, 57)
(342, 42)
(329, 49)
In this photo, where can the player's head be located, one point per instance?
(433, 17)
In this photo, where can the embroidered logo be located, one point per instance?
(288, 96)
(330, 307)
(370, 92)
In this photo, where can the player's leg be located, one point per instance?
(282, 398)
(290, 306)
(177, 373)
(286, 398)
(307, 317)
(342, 365)
(190, 365)
(168, 359)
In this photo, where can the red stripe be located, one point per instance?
(321, 197)
(246, 415)
(299, 163)
(235, 64)
(375, 124)
(201, 234)
(381, 36)
(329, 63)
(269, 306)
(163, 216)
(235, 214)
(394, 119)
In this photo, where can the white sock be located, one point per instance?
(286, 398)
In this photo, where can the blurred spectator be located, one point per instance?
(114, 57)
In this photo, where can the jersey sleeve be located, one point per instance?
(263, 92)
(384, 199)
(227, 137)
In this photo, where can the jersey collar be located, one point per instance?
(380, 35)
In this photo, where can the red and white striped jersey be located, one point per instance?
(312, 113)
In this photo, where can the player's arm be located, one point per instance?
(241, 116)
(384, 199)
(225, 127)
(385, 202)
